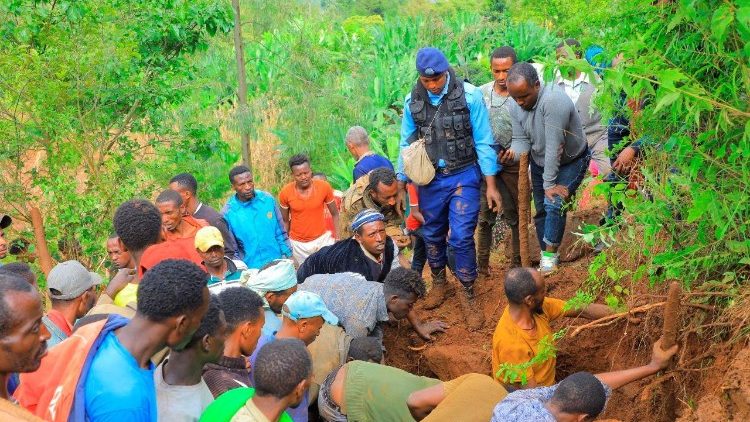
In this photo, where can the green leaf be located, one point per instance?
(666, 100)
(720, 22)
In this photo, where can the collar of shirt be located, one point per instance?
(231, 269)
(59, 320)
(434, 99)
(574, 84)
(366, 154)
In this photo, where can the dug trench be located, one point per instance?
(705, 383)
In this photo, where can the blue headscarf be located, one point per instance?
(366, 216)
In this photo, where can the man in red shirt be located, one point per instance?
(72, 291)
(302, 204)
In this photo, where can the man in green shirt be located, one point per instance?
(365, 391)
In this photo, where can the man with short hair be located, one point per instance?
(5, 222)
(371, 252)
(302, 204)
(176, 224)
(243, 312)
(23, 339)
(186, 185)
(358, 143)
(377, 190)
(254, 219)
(362, 306)
(546, 124)
(210, 246)
(181, 393)
(581, 92)
(281, 380)
(303, 316)
(20, 269)
(274, 284)
(72, 291)
(579, 397)
(497, 101)
(120, 258)
(451, 117)
(525, 325)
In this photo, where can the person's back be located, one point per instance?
(368, 162)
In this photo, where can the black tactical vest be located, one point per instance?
(450, 135)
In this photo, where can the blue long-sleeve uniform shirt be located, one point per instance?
(480, 126)
(256, 226)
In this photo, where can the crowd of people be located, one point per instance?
(273, 309)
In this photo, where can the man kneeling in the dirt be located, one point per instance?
(525, 324)
(579, 397)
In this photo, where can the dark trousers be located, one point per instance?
(419, 251)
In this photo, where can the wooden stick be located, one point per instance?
(607, 320)
(45, 259)
(671, 316)
(523, 209)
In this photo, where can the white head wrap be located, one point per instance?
(276, 278)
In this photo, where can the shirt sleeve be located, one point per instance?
(480, 126)
(520, 141)
(408, 127)
(553, 308)
(413, 195)
(555, 121)
(328, 193)
(283, 198)
(282, 238)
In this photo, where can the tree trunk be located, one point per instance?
(523, 209)
(239, 54)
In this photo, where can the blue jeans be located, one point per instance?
(452, 200)
(550, 214)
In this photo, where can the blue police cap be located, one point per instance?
(431, 62)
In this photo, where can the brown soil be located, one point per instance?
(620, 345)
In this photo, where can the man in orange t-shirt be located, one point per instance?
(337, 197)
(526, 322)
(302, 203)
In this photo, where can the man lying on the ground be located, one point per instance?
(526, 322)
(181, 393)
(579, 397)
(243, 312)
(274, 283)
(23, 339)
(468, 398)
(362, 306)
(365, 391)
(370, 252)
(333, 348)
(303, 316)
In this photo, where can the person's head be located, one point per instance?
(383, 187)
(523, 85)
(208, 340)
(5, 222)
(118, 256)
(23, 337)
(210, 246)
(564, 49)
(401, 288)
(525, 287)
(432, 66)
(275, 282)
(243, 311)
(283, 370)
(173, 294)
(186, 185)
(304, 314)
(579, 397)
(137, 224)
(368, 227)
(357, 141)
(299, 164)
(73, 287)
(368, 349)
(320, 176)
(241, 179)
(20, 269)
(172, 208)
(501, 60)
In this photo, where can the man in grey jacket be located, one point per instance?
(545, 123)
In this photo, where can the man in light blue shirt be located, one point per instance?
(451, 117)
(253, 217)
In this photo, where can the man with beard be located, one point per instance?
(253, 217)
(23, 339)
(72, 291)
(525, 323)
(378, 190)
(302, 203)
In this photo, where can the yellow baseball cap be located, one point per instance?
(208, 237)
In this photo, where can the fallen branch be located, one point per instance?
(609, 319)
(523, 209)
(671, 316)
(646, 394)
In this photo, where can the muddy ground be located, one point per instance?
(708, 384)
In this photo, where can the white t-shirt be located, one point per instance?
(180, 403)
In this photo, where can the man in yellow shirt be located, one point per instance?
(526, 322)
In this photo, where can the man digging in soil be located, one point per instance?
(525, 323)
